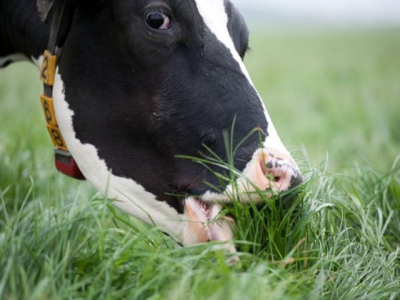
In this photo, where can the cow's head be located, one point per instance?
(142, 82)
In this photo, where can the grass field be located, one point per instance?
(335, 99)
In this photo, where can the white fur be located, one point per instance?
(37, 61)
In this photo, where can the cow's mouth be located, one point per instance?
(206, 223)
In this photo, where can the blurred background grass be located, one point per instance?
(335, 92)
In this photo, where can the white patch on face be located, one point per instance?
(12, 58)
(215, 17)
(126, 193)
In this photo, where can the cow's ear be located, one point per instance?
(44, 7)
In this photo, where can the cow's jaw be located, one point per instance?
(125, 193)
(200, 222)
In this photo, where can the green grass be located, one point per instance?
(336, 94)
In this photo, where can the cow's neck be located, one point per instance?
(22, 31)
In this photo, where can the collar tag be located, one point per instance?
(48, 70)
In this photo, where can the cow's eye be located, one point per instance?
(157, 20)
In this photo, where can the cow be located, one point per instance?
(138, 86)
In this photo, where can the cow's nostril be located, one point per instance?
(273, 171)
(279, 169)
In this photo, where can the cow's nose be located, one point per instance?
(271, 169)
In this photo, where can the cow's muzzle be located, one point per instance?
(269, 173)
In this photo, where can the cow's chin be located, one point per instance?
(204, 223)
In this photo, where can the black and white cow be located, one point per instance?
(140, 82)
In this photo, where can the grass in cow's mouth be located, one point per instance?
(263, 228)
(338, 240)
